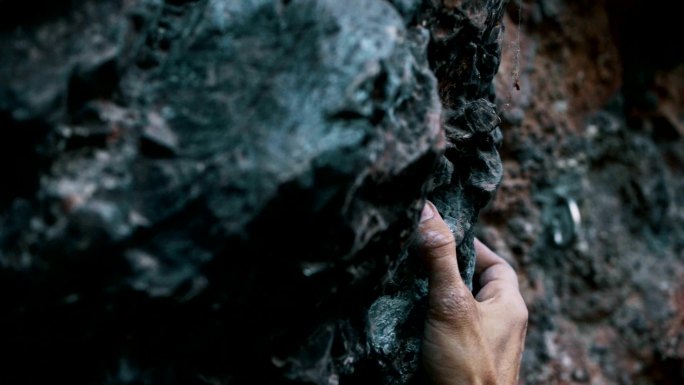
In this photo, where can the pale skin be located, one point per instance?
(469, 340)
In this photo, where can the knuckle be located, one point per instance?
(509, 272)
(521, 312)
(506, 274)
(499, 287)
(511, 269)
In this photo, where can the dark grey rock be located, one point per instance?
(225, 191)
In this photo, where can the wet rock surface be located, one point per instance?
(224, 191)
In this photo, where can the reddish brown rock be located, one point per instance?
(596, 125)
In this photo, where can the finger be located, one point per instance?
(495, 274)
(486, 258)
(448, 294)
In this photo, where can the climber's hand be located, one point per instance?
(470, 340)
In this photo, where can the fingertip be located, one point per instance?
(428, 212)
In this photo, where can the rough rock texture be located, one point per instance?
(220, 191)
(595, 129)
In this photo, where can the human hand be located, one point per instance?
(469, 340)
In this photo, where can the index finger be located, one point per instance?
(493, 269)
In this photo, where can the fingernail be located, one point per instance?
(428, 212)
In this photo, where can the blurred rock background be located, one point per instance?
(596, 132)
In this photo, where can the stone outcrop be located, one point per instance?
(219, 191)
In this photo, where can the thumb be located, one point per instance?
(449, 296)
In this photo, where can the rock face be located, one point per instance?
(595, 132)
(219, 191)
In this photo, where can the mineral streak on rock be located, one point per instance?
(219, 191)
